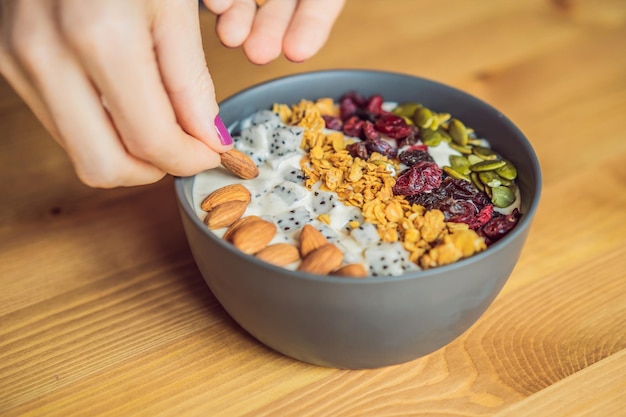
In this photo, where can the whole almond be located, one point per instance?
(238, 223)
(232, 192)
(279, 254)
(225, 214)
(310, 239)
(322, 260)
(239, 164)
(351, 270)
(253, 236)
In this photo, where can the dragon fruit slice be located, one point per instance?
(285, 140)
(331, 235)
(356, 216)
(254, 142)
(266, 117)
(292, 220)
(386, 259)
(323, 201)
(294, 175)
(289, 192)
(366, 234)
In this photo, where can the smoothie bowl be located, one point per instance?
(387, 214)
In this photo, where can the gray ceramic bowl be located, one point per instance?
(376, 321)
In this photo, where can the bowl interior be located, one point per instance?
(487, 121)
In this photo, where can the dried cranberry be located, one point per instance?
(353, 127)
(381, 146)
(347, 108)
(430, 201)
(356, 97)
(420, 178)
(411, 139)
(499, 226)
(412, 157)
(366, 115)
(484, 215)
(393, 126)
(358, 149)
(369, 132)
(332, 122)
(350, 103)
(459, 201)
(470, 215)
(460, 211)
(374, 104)
(458, 189)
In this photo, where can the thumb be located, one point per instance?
(178, 46)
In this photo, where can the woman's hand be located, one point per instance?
(121, 85)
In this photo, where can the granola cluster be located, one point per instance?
(367, 184)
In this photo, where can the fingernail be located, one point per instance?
(222, 132)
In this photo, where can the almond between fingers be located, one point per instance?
(239, 164)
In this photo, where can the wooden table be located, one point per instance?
(103, 312)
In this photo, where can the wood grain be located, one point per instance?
(103, 312)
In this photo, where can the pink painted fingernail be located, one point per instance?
(222, 132)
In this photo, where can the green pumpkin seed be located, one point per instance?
(477, 182)
(508, 171)
(491, 179)
(473, 159)
(434, 124)
(443, 117)
(502, 196)
(458, 131)
(487, 165)
(475, 142)
(406, 109)
(423, 117)
(460, 164)
(484, 153)
(444, 135)
(458, 161)
(465, 150)
(430, 137)
(454, 173)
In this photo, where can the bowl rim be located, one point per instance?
(524, 222)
